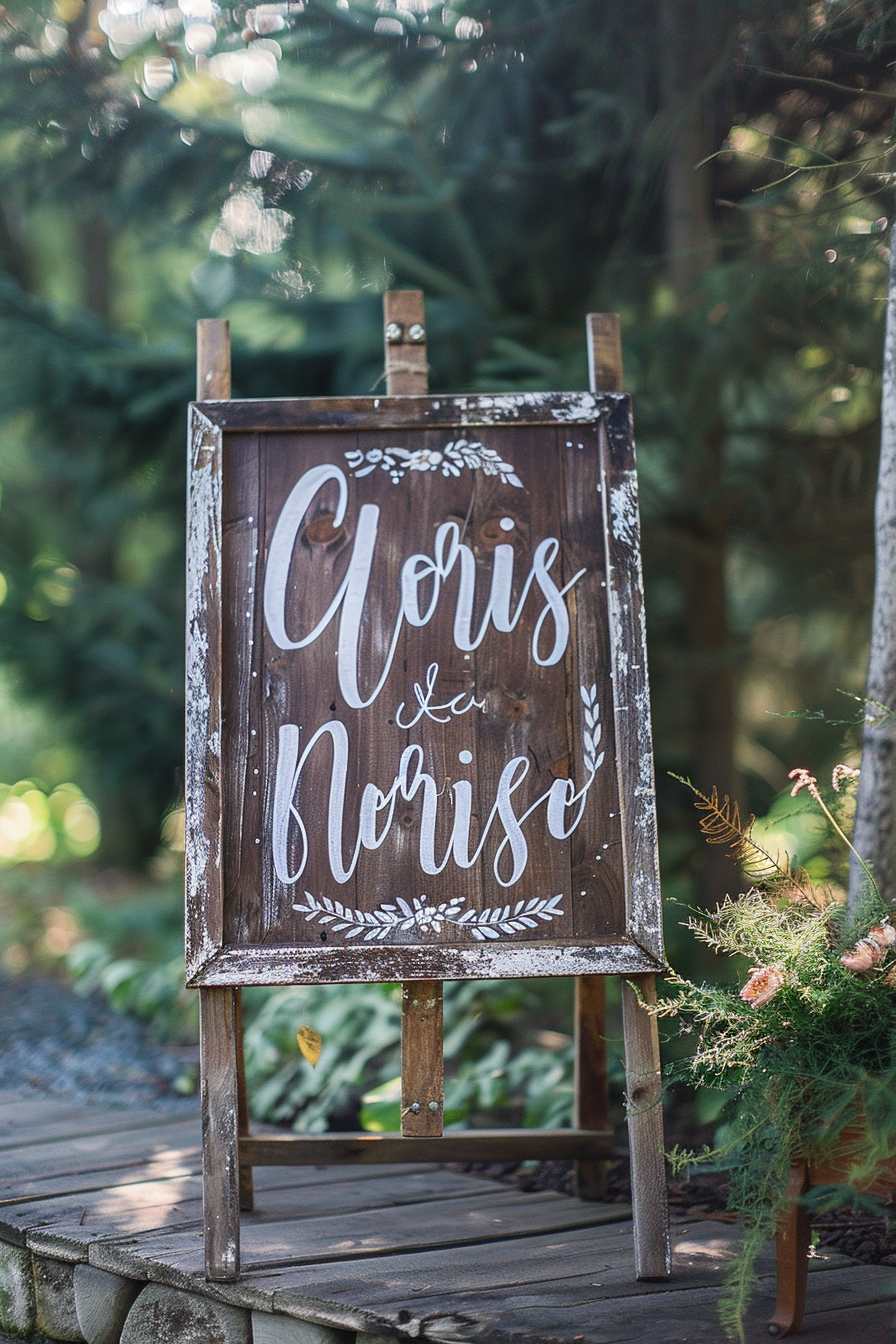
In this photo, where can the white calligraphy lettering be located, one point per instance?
(417, 570)
(410, 779)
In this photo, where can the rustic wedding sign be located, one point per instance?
(418, 741)
(419, 732)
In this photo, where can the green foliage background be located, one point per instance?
(719, 174)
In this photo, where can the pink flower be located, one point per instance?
(884, 935)
(841, 773)
(763, 984)
(803, 781)
(862, 957)
(869, 950)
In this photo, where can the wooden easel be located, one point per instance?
(229, 1150)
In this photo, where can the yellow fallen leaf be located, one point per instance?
(310, 1043)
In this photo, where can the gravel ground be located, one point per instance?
(55, 1043)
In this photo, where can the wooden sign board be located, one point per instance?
(418, 720)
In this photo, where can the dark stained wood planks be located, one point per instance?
(477, 1219)
(519, 704)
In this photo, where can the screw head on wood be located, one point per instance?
(415, 1107)
(416, 333)
(433, 1106)
(394, 333)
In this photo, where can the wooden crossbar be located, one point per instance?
(470, 1145)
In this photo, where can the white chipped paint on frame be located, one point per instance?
(624, 510)
(203, 735)
(500, 409)
(632, 705)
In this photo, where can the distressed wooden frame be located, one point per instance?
(211, 963)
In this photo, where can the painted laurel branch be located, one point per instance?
(592, 730)
(451, 461)
(376, 925)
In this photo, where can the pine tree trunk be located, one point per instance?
(875, 829)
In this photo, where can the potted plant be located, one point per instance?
(806, 1038)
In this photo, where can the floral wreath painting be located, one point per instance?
(376, 925)
(455, 457)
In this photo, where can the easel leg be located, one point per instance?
(247, 1193)
(220, 1143)
(792, 1246)
(644, 1098)
(422, 1066)
(590, 1088)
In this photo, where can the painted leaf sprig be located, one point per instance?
(376, 925)
(592, 730)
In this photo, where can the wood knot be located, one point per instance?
(321, 532)
(497, 531)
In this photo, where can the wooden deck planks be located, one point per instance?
(455, 1260)
(65, 1226)
(471, 1220)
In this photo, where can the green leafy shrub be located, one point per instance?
(502, 1065)
(493, 1072)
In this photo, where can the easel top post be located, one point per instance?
(404, 342)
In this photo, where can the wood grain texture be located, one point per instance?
(531, 712)
(65, 1226)
(469, 1260)
(404, 317)
(445, 412)
(792, 1240)
(472, 1145)
(220, 1140)
(644, 1115)
(422, 1064)
(422, 1061)
(212, 359)
(478, 1219)
(604, 352)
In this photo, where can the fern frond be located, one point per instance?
(721, 824)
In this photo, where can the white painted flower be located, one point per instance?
(427, 916)
(424, 459)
